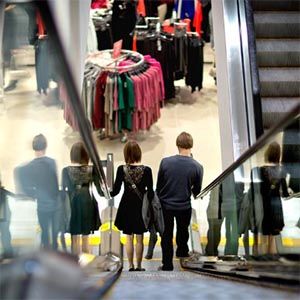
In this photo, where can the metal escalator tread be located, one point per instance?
(279, 5)
(278, 52)
(181, 284)
(273, 24)
(280, 82)
(275, 108)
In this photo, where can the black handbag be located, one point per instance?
(158, 217)
(146, 213)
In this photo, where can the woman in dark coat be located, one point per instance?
(129, 216)
(76, 181)
(273, 185)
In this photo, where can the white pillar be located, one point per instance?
(72, 19)
(230, 83)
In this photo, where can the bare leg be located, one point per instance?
(264, 244)
(85, 244)
(75, 244)
(272, 245)
(129, 250)
(139, 249)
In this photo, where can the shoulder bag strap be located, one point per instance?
(133, 185)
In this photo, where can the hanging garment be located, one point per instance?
(42, 65)
(98, 4)
(123, 21)
(180, 41)
(98, 118)
(194, 76)
(141, 10)
(128, 101)
(197, 23)
(206, 7)
(151, 7)
(148, 45)
(185, 9)
(92, 43)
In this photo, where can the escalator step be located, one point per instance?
(279, 5)
(275, 109)
(278, 53)
(283, 82)
(277, 24)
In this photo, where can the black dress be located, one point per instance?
(273, 181)
(76, 181)
(129, 216)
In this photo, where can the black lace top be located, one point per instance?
(140, 175)
(129, 216)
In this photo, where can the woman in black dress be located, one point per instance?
(76, 181)
(129, 216)
(273, 185)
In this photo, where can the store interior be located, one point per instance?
(34, 98)
(28, 109)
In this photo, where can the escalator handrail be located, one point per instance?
(261, 142)
(73, 93)
(255, 83)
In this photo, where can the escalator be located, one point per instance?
(241, 214)
(40, 274)
(277, 33)
(231, 258)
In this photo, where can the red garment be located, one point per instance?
(40, 24)
(134, 46)
(167, 27)
(198, 18)
(68, 111)
(98, 118)
(141, 9)
(99, 4)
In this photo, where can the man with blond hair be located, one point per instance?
(179, 176)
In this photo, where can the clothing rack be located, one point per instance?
(122, 95)
(104, 55)
(193, 33)
(179, 51)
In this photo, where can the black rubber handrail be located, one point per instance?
(255, 82)
(260, 143)
(73, 93)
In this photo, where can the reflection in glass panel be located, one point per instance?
(256, 209)
(46, 174)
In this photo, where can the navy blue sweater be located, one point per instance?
(38, 179)
(178, 177)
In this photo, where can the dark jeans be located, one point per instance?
(183, 219)
(5, 237)
(232, 236)
(48, 221)
(213, 236)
